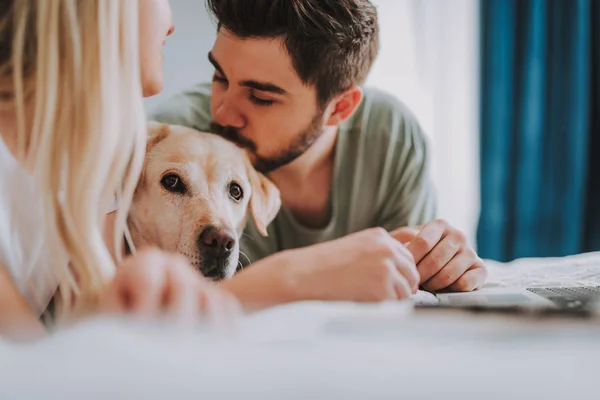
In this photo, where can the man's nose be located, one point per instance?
(227, 114)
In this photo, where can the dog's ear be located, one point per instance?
(157, 132)
(265, 200)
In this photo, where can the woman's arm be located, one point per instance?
(17, 321)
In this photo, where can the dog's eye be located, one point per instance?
(236, 192)
(173, 183)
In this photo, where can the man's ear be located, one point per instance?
(265, 200)
(343, 106)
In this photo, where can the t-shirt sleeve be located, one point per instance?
(409, 198)
(190, 108)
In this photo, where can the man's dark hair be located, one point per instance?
(332, 43)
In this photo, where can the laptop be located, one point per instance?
(566, 297)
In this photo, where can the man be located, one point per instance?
(287, 86)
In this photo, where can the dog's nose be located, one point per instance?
(218, 242)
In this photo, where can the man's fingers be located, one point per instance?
(470, 280)
(405, 234)
(410, 274)
(450, 273)
(401, 287)
(402, 250)
(405, 264)
(427, 239)
(438, 258)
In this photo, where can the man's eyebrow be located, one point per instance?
(215, 63)
(264, 87)
(260, 86)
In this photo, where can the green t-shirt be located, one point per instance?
(380, 177)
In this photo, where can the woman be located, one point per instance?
(72, 124)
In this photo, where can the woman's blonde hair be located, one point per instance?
(70, 70)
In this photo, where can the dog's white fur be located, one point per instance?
(207, 164)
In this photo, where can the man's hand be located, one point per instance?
(368, 266)
(443, 256)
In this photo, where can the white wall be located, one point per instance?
(186, 50)
(429, 60)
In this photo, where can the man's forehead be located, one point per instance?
(256, 59)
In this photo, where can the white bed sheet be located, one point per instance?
(327, 351)
(578, 270)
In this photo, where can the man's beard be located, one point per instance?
(299, 146)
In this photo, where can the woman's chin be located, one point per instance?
(152, 87)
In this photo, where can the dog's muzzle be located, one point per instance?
(216, 244)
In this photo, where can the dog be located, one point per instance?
(194, 197)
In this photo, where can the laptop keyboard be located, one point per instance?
(569, 297)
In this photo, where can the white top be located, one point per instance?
(24, 249)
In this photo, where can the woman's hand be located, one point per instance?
(153, 284)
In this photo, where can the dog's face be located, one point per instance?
(195, 195)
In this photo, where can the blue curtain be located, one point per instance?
(539, 129)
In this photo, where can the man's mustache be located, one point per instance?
(233, 135)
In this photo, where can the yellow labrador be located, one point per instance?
(195, 195)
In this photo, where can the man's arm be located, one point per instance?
(366, 266)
